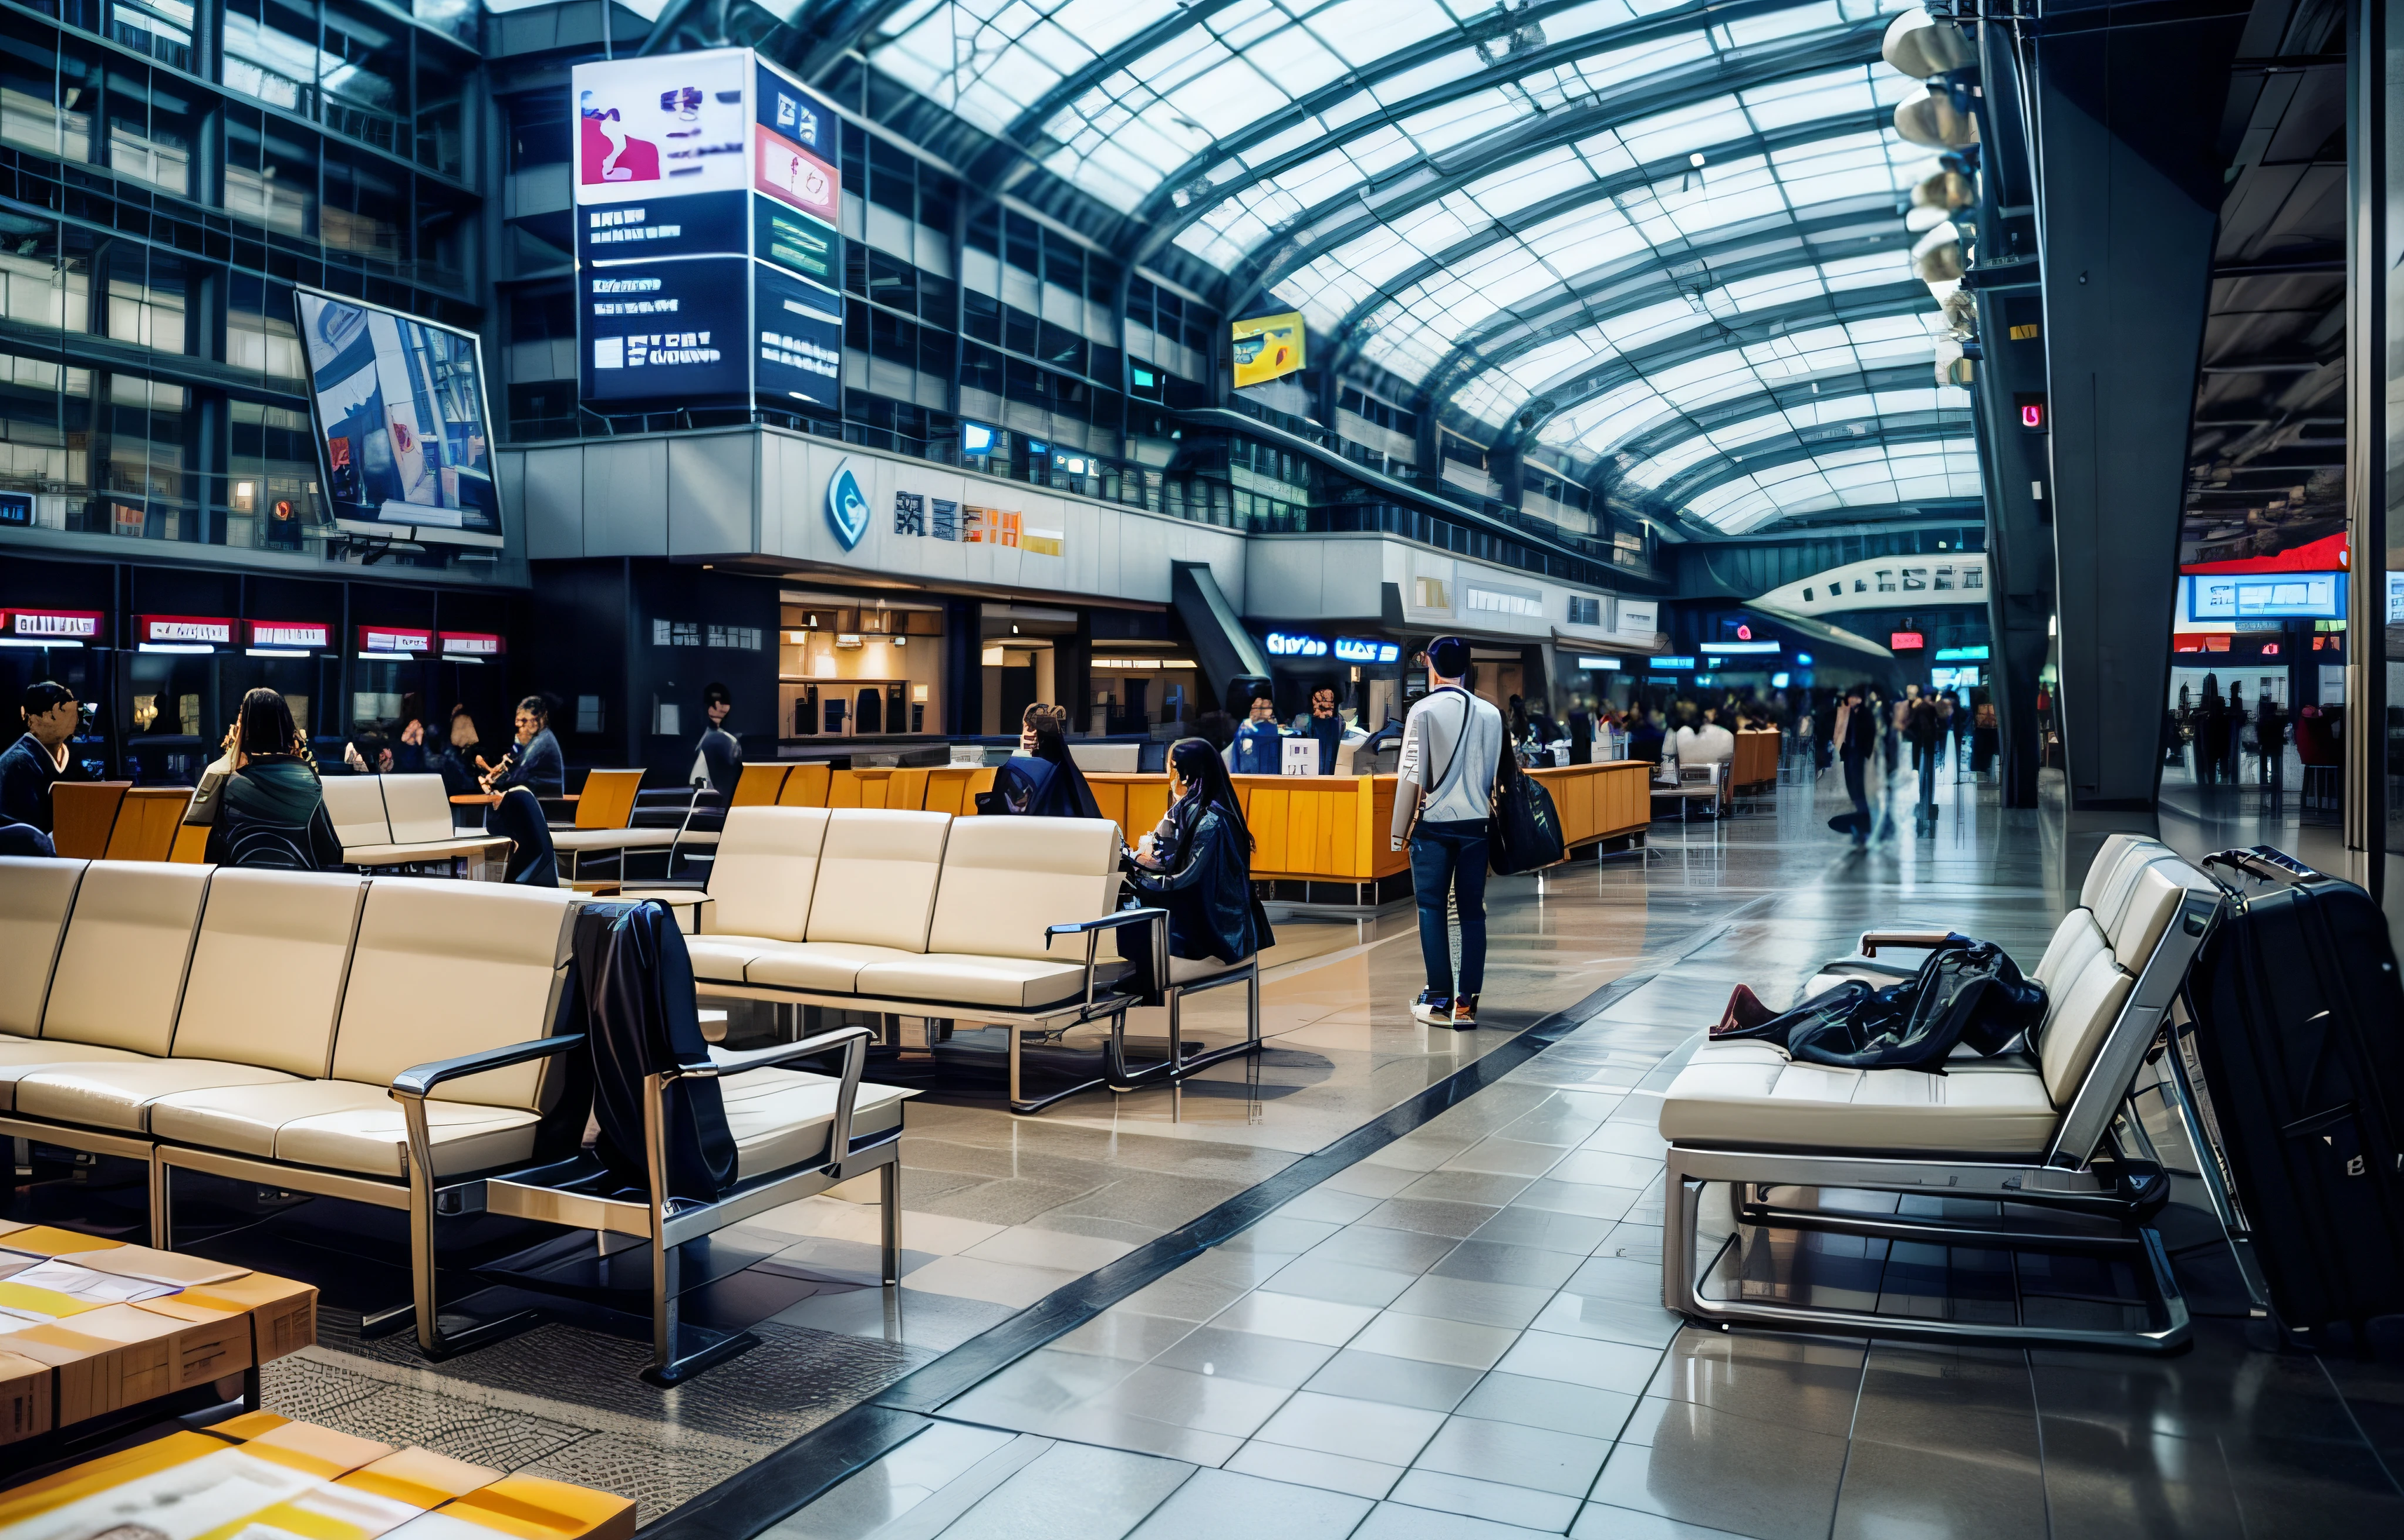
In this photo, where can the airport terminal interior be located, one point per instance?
(1409, 769)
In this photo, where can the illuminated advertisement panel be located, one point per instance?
(2265, 595)
(661, 126)
(1267, 347)
(401, 420)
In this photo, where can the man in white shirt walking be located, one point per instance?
(1452, 746)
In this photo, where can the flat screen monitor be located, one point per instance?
(2234, 596)
(403, 434)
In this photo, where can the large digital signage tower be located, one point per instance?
(708, 243)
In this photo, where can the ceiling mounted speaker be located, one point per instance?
(1920, 46)
(1936, 258)
(1933, 120)
(1945, 190)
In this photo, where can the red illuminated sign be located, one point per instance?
(2270, 649)
(287, 634)
(2033, 415)
(56, 625)
(384, 638)
(1906, 641)
(1744, 633)
(183, 628)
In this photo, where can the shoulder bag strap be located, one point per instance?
(1467, 711)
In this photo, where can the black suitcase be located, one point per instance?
(2299, 1032)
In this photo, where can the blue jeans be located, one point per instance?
(1448, 863)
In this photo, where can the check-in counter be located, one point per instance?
(1756, 759)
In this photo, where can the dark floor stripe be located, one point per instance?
(801, 1471)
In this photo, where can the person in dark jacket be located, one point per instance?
(1856, 740)
(1924, 726)
(717, 759)
(1202, 873)
(1324, 726)
(38, 760)
(1042, 780)
(271, 811)
(1581, 735)
(2270, 736)
(449, 759)
(534, 762)
(1257, 748)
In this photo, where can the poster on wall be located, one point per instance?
(662, 125)
(1267, 347)
(401, 422)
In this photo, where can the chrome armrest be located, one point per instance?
(1118, 920)
(853, 1041)
(416, 1084)
(1873, 940)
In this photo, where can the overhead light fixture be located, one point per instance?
(274, 652)
(34, 641)
(177, 647)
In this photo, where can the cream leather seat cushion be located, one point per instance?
(21, 1056)
(418, 807)
(120, 969)
(36, 896)
(876, 877)
(341, 1126)
(721, 958)
(1006, 881)
(766, 869)
(610, 839)
(355, 805)
(831, 966)
(1750, 1095)
(781, 1117)
(1013, 984)
(1191, 970)
(119, 1095)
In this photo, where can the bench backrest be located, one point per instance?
(36, 898)
(2106, 888)
(266, 981)
(758, 784)
(2142, 905)
(120, 968)
(418, 808)
(82, 814)
(807, 786)
(1006, 879)
(877, 877)
(355, 805)
(767, 867)
(444, 968)
(607, 799)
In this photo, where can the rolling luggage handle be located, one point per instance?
(2263, 861)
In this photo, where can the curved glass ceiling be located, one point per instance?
(1510, 210)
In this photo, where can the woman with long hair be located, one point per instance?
(271, 811)
(1042, 780)
(1201, 872)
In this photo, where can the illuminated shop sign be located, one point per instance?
(471, 644)
(1746, 647)
(392, 641)
(798, 328)
(296, 634)
(1678, 660)
(56, 625)
(17, 510)
(1288, 644)
(183, 628)
(1906, 641)
(1960, 655)
(1367, 650)
(1600, 665)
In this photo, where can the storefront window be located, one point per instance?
(851, 668)
(151, 129)
(270, 174)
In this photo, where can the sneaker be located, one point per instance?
(1464, 1013)
(1432, 1009)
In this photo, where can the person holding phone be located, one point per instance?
(534, 761)
(38, 760)
(1452, 748)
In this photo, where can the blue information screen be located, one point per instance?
(800, 339)
(655, 331)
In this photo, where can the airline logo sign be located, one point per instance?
(183, 628)
(287, 634)
(56, 625)
(915, 513)
(382, 638)
(846, 510)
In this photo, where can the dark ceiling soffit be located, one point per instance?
(1586, 301)
(1422, 183)
(1344, 339)
(1902, 428)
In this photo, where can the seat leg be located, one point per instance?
(162, 1203)
(1176, 1035)
(1678, 1219)
(889, 1193)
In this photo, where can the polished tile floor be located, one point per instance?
(1458, 1334)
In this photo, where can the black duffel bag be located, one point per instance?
(1965, 992)
(1524, 830)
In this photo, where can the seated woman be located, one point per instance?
(271, 812)
(533, 760)
(1200, 867)
(1041, 780)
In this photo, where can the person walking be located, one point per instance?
(2271, 737)
(1855, 739)
(38, 760)
(1452, 748)
(1924, 726)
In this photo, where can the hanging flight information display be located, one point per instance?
(709, 260)
(401, 422)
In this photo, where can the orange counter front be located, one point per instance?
(1756, 759)
(1313, 829)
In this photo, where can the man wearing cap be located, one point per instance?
(1452, 745)
(38, 760)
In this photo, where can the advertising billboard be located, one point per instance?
(655, 330)
(1267, 347)
(796, 243)
(661, 126)
(403, 439)
(799, 338)
(706, 224)
(2265, 595)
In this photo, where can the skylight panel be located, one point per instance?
(1530, 181)
(1418, 80)
(1608, 71)
(1791, 102)
(1770, 26)
(1455, 123)
(1366, 31)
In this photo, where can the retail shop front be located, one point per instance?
(163, 656)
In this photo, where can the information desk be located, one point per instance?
(1756, 759)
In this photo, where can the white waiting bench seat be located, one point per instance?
(2026, 1127)
(400, 820)
(271, 1027)
(988, 918)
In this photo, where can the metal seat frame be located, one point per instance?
(2066, 1176)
